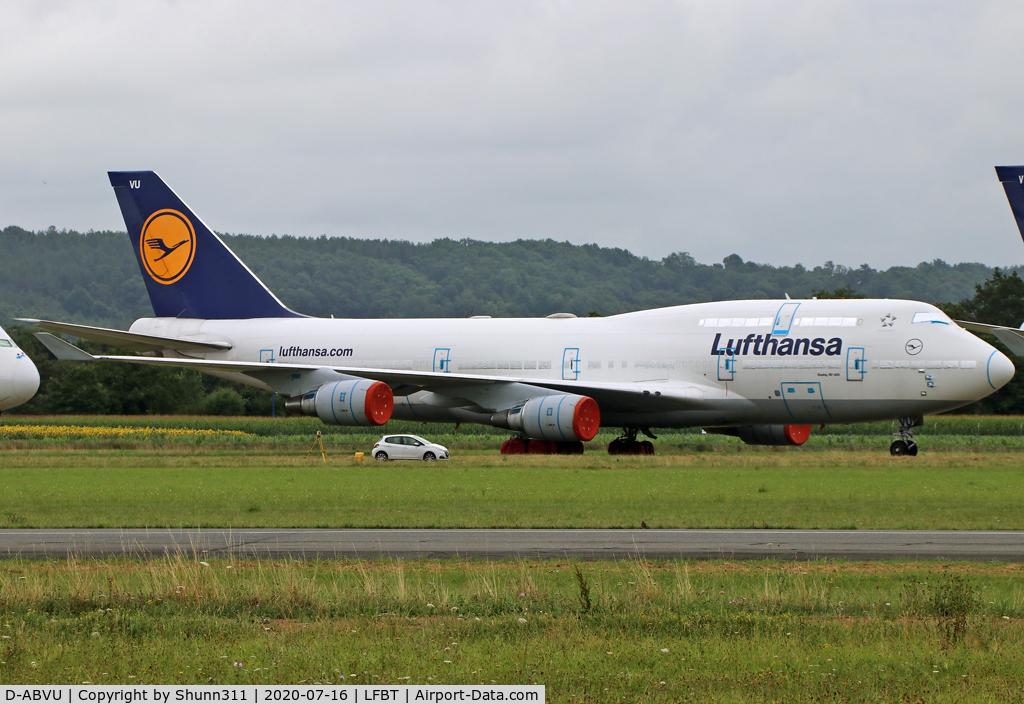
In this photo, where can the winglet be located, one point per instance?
(63, 350)
(1012, 178)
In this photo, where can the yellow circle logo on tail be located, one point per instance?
(168, 246)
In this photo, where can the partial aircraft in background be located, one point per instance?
(19, 378)
(765, 371)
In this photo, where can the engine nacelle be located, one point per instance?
(562, 417)
(773, 434)
(351, 402)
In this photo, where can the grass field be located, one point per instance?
(198, 472)
(212, 486)
(627, 631)
(594, 632)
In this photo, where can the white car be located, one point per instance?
(408, 447)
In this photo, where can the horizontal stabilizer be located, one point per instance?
(1011, 337)
(63, 350)
(127, 340)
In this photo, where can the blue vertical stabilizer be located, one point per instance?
(189, 272)
(1012, 178)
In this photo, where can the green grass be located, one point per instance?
(230, 486)
(628, 631)
(646, 631)
(843, 478)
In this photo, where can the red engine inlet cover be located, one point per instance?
(798, 434)
(586, 419)
(380, 403)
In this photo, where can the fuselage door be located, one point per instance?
(784, 318)
(727, 365)
(855, 364)
(571, 364)
(442, 360)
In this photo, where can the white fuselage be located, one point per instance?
(19, 378)
(725, 363)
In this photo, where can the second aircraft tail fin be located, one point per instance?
(1012, 178)
(188, 270)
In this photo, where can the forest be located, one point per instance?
(93, 278)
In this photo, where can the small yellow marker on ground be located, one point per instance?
(358, 457)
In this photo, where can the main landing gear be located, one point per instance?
(520, 445)
(629, 445)
(906, 445)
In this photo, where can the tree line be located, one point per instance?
(93, 277)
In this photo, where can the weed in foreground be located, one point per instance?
(654, 631)
(584, 587)
(952, 600)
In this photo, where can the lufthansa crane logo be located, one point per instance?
(168, 245)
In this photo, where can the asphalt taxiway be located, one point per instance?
(600, 544)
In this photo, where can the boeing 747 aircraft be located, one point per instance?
(765, 371)
(19, 378)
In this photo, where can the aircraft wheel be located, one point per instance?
(912, 449)
(515, 446)
(429, 457)
(381, 456)
(899, 448)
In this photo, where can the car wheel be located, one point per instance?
(381, 456)
(429, 457)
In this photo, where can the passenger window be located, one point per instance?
(393, 441)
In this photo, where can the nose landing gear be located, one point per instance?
(906, 445)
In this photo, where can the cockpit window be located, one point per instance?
(5, 343)
(931, 317)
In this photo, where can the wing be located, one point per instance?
(1011, 337)
(652, 396)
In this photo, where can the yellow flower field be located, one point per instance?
(66, 432)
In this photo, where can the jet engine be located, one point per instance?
(768, 434)
(350, 402)
(562, 417)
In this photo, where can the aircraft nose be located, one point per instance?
(25, 382)
(1000, 369)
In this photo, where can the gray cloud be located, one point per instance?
(788, 131)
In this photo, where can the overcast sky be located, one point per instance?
(858, 132)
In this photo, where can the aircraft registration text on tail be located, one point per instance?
(763, 370)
